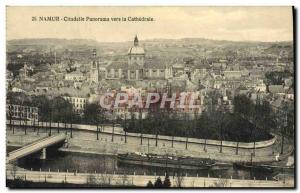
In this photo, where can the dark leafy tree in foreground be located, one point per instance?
(167, 182)
(61, 110)
(93, 113)
(150, 184)
(158, 183)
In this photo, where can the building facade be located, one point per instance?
(137, 67)
(77, 102)
(21, 112)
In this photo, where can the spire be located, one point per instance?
(94, 58)
(94, 53)
(136, 41)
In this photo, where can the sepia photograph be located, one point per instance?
(150, 97)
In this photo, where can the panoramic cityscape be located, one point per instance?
(151, 113)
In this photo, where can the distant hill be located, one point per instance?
(51, 41)
(177, 47)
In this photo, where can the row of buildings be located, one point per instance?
(84, 83)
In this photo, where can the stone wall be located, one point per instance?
(140, 180)
(119, 130)
(84, 139)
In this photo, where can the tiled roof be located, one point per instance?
(276, 89)
(290, 91)
(153, 64)
(117, 65)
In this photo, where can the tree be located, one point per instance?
(167, 182)
(149, 184)
(18, 98)
(243, 106)
(43, 103)
(179, 179)
(61, 108)
(158, 183)
(132, 123)
(93, 113)
(276, 77)
(288, 110)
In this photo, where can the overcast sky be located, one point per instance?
(222, 23)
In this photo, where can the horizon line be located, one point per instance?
(151, 39)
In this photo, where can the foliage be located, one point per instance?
(93, 113)
(56, 109)
(18, 98)
(150, 184)
(167, 182)
(276, 78)
(61, 110)
(43, 103)
(286, 119)
(158, 183)
(250, 121)
(243, 106)
(213, 123)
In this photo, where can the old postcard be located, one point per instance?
(150, 97)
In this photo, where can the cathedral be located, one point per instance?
(136, 61)
(137, 67)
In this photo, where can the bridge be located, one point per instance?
(35, 147)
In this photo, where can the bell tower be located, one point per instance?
(94, 76)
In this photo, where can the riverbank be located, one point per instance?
(139, 180)
(113, 144)
(20, 184)
(118, 130)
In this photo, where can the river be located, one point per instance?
(82, 162)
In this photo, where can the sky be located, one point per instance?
(266, 24)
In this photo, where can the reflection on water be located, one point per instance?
(71, 162)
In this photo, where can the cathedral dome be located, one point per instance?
(136, 49)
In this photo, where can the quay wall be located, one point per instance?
(138, 180)
(108, 143)
(119, 130)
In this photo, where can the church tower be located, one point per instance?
(136, 61)
(136, 54)
(94, 75)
